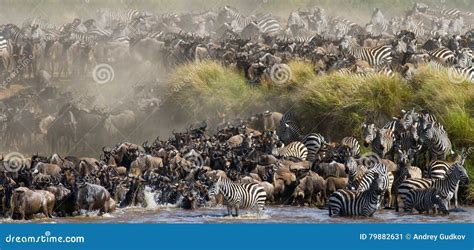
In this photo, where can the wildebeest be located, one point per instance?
(27, 202)
(92, 197)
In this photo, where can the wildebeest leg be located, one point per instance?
(236, 211)
(46, 211)
(89, 209)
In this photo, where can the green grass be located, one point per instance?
(331, 104)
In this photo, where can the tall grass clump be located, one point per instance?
(201, 91)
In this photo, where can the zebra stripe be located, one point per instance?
(351, 203)
(239, 196)
(5, 53)
(375, 56)
(443, 55)
(294, 151)
(437, 169)
(352, 144)
(436, 140)
(288, 130)
(424, 200)
(466, 73)
(313, 143)
(241, 20)
(356, 173)
(269, 25)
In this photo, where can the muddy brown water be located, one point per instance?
(272, 214)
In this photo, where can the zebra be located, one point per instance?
(415, 26)
(435, 139)
(405, 171)
(382, 172)
(438, 170)
(355, 172)
(238, 19)
(351, 203)
(239, 196)
(81, 37)
(352, 144)
(424, 200)
(107, 17)
(313, 143)
(6, 53)
(409, 139)
(294, 151)
(288, 130)
(269, 25)
(443, 55)
(375, 56)
(466, 73)
(445, 186)
(381, 140)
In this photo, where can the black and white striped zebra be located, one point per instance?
(352, 203)
(438, 170)
(239, 196)
(355, 173)
(237, 18)
(425, 200)
(436, 141)
(269, 25)
(294, 151)
(409, 139)
(375, 56)
(6, 53)
(443, 55)
(381, 140)
(288, 129)
(352, 144)
(81, 37)
(446, 186)
(109, 17)
(387, 179)
(466, 73)
(313, 143)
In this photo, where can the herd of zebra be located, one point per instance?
(413, 138)
(439, 37)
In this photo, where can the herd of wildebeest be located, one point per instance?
(265, 153)
(267, 157)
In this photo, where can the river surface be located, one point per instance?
(272, 214)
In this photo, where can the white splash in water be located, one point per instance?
(150, 198)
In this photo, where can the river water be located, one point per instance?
(272, 214)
